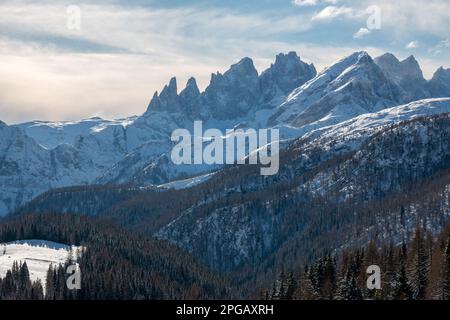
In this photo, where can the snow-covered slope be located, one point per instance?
(187, 183)
(28, 169)
(52, 134)
(38, 254)
(353, 86)
(350, 134)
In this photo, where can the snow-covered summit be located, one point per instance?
(353, 86)
(52, 134)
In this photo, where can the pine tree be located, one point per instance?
(349, 288)
(446, 272)
(418, 266)
(50, 284)
(37, 292)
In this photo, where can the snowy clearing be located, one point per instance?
(38, 254)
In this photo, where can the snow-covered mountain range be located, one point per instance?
(290, 95)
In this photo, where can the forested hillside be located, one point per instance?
(115, 264)
(327, 197)
(418, 269)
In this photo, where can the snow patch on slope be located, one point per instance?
(38, 254)
(187, 183)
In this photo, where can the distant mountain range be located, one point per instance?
(39, 156)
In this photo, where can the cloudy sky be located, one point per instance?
(123, 51)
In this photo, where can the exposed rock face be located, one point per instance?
(406, 74)
(233, 94)
(190, 99)
(287, 73)
(439, 85)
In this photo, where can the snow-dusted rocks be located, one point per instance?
(233, 94)
(439, 85)
(168, 100)
(287, 73)
(406, 74)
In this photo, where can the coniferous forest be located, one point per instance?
(115, 264)
(417, 270)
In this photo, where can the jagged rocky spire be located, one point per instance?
(439, 85)
(190, 99)
(287, 73)
(407, 74)
(168, 100)
(234, 93)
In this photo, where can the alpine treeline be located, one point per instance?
(418, 270)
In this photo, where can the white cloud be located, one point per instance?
(50, 72)
(303, 3)
(361, 33)
(413, 45)
(332, 12)
(442, 46)
(407, 18)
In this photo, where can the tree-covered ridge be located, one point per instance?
(417, 270)
(116, 264)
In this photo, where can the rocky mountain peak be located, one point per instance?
(439, 85)
(406, 74)
(243, 72)
(408, 69)
(412, 68)
(154, 104)
(234, 93)
(387, 59)
(363, 57)
(287, 73)
(170, 90)
(192, 85)
(283, 58)
(168, 100)
(244, 66)
(441, 73)
(190, 98)
(191, 90)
